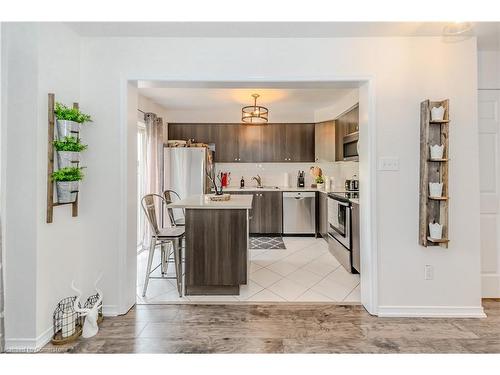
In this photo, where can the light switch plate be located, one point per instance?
(388, 164)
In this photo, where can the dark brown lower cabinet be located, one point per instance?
(266, 216)
(216, 251)
(323, 214)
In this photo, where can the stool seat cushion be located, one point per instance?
(171, 232)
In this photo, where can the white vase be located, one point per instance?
(437, 113)
(66, 191)
(437, 151)
(68, 323)
(435, 231)
(66, 128)
(435, 189)
(320, 186)
(67, 159)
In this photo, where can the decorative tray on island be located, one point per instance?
(223, 197)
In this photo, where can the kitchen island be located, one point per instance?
(216, 254)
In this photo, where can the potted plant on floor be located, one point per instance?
(67, 183)
(68, 151)
(69, 120)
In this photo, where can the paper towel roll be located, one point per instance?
(286, 179)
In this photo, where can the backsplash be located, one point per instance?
(273, 174)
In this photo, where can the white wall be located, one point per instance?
(273, 173)
(489, 148)
(337, 108)
(402, 75)
(41, 259)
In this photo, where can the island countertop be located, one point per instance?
(202, 201)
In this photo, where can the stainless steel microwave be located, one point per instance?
(350, 146)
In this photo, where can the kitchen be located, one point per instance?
(300, 170)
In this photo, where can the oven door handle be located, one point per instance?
(341, 203)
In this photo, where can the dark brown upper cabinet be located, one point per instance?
(324, 135)
(288, 142)
(251, 143)
(227, 143)
(273, 142)
(299, 142)
(197, 132)
(345, 124)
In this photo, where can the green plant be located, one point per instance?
(319, 179)
(68, 174)
(69, 144)
(71, 114)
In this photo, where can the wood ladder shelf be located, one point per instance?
(50, 164)
(433, 209)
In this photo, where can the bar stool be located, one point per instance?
(168, 195)
(163, 236)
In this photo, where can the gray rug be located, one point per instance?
(267, 243)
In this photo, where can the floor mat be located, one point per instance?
(267, 243)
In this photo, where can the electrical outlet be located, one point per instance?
(388, 164)
(429, 272)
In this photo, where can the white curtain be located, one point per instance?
(153, 164)
(141, 181)
(2, 306)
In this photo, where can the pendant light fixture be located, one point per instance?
(457, 29)
(254, 114)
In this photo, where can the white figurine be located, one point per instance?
(90, 327)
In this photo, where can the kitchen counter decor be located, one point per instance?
(67, 145)
(223, 197)
(434, 160)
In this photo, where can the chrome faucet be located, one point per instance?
(259, 181)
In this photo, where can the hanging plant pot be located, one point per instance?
(66, 191)
(67, 128)
(66, 159)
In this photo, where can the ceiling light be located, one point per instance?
(254, 114)
(457, 29)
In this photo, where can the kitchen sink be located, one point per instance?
(268, 187)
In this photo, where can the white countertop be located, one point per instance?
(284, 188)
(237, 202)
(278, 188)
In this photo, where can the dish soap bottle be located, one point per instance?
(242, 183)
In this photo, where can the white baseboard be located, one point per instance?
(28, 345)
(110, 310)
(490, 285)
(431, 311)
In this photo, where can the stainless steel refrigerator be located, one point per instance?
(185, 169)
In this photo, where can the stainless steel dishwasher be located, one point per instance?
(299, 212)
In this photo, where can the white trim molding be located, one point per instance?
(110, 310)
(431, 312)
(28, 345)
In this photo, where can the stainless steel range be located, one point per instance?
(339, 228)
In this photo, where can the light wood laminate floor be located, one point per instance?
(286, 328)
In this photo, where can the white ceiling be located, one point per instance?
(488, 33)
(232, 99)
(223, 104)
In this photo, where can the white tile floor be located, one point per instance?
(304, 272)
